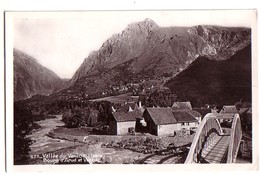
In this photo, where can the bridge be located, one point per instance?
(214, 143)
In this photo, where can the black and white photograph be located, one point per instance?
(131, 87)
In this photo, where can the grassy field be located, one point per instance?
(73, 131)
(118, 98)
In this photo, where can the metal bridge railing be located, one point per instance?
(235, 139)
(209, 131)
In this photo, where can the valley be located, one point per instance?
(139, 98)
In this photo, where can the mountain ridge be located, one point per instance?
(147, 42)
(31, 78)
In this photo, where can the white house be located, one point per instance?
(166, 121)
(124, 119)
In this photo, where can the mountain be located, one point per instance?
(149, 48)
(31, 78)
(208, 81)
(201, 64)
(145, 56)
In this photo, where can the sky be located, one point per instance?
(61, 41)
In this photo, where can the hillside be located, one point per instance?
(31, 78)
(216, 82)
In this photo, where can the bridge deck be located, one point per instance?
(214, 143)
(217, 150)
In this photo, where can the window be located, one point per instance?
(182, 124)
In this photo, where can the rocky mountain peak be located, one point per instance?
(146, 24)
(143, 28)
(220, 43)
(119, 48)
(163, 50)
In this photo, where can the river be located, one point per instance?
(43, 143)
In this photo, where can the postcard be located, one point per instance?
(127, 88)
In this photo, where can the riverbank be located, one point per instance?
(41, 142)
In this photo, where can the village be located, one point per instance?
(133, 118)
(158, 131)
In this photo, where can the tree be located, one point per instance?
(23, 125)
(93, 118)
(67, 118)
(105, 110)
(160, 98)
(76, 118)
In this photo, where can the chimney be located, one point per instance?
(130, 109)
(113, 109)
(139, 104)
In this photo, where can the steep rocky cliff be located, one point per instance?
(159, 50)
(31, 78)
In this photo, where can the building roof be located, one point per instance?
(161, 115)
(183, 116)
(243, 110)
(139, 113)
(182, 105)
(127, 106)
(120, 116)
(194, 113)
(229, 109)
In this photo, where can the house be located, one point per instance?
(121, 122)
(160, 120)
(189, 119)
(124, 119)
(242, 111)
(229, 109)
(196, 115)
(182, 105)
(166, 121)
